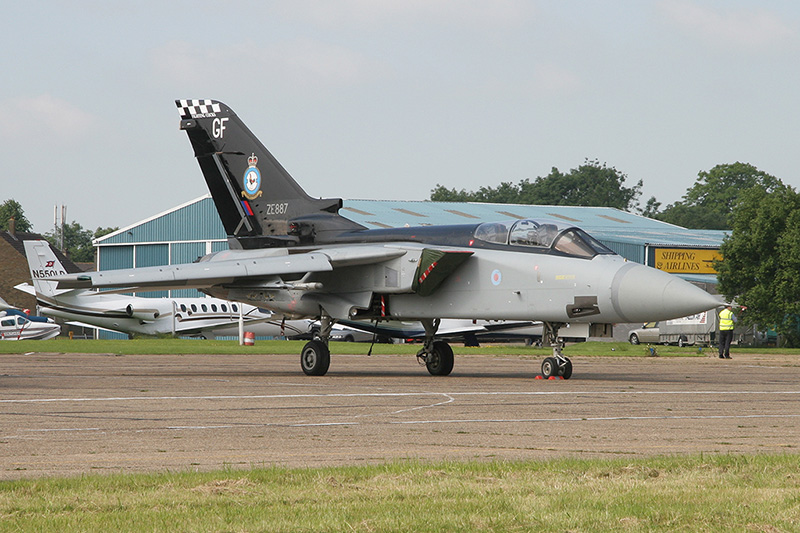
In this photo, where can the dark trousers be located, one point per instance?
(725, 338)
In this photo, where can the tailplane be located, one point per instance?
(259, 203)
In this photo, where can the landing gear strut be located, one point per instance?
(437, 356)
(316, 356)
(558, 364)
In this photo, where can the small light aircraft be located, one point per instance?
(298, 256)
(198, 317)
(16, 324)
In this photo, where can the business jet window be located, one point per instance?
(214, 307)
(578, 243)
(530, 233)
(204, 308)
(183, 308)
(194, 308)
(224, 308)
(495, 232)
(235, 308)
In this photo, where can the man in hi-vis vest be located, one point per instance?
(727, 321)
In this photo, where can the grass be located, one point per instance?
(160, 346)
(718, 493)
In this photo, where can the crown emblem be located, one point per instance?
(252, 160)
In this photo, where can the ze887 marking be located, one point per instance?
(276, 209)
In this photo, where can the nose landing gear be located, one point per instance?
(558, 364)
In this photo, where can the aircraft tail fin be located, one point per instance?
(43, 264)
(260, 204)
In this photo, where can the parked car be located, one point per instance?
(646, 334)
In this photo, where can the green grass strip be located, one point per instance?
(700, 493)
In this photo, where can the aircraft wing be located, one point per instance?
(202, 274)
(218, 272)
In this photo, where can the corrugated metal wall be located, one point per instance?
(631, 252)
(113, 257)
(194, 221)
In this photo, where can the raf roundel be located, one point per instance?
(497, 277)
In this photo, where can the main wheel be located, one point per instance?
(634, 338)
(315, 358)
(549, 367)
(566, 370)
(440, 360)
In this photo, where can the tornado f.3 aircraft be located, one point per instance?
(297, 255)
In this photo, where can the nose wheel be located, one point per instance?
(554, 367)
(557, 365)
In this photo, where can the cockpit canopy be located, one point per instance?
(546, 235)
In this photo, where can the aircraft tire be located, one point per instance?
(549, 367)
(315, 358)
(566, 370)
(440, 360)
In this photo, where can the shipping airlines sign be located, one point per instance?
(685, 260)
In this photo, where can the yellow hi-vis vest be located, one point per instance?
(725, 319)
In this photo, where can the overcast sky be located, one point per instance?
(367, 99)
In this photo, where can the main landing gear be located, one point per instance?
(316, 356)
(437, 356)
(557, 365)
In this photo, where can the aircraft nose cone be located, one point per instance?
(644, 294)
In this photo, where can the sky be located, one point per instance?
(366, 99)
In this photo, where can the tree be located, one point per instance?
(78, 241)
(11, 208)
(709, 202)
(443, 194)
(761, 259)
(651, 208)
(100, 232)
(591, 184)
(692, 216)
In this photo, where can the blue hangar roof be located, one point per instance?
(604, 223)
(192, 229)
(197, 220)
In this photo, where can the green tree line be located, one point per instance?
(707, 204)
(77, 240)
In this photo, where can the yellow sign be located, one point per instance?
(686, 260)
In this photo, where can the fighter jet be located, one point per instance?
(196, 317)
(297, 255)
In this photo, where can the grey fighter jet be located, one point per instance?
(298, 256)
